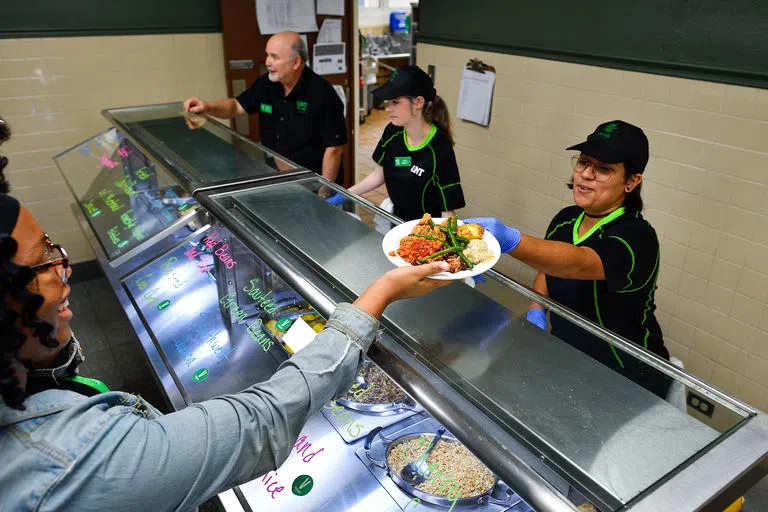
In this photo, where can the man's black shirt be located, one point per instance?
(301, 125)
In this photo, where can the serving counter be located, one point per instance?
(219, 297)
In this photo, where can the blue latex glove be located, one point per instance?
(508, 237)
(479, 278)
(537, 317)
(336, 199)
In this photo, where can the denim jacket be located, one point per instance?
(71, 452)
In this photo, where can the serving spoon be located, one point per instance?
(417, 472)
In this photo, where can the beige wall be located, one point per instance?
(52, 92)
(705, 188)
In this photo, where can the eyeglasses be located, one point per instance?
(57, 258)
(602, 173)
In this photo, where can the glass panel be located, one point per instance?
(610, 436)
(204, 151)
(217, 313)
(123, 195)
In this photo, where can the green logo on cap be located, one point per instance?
(392, 76)
(608, 130)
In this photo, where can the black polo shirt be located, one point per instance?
(421, 179)
(301, 125)
(624, 301)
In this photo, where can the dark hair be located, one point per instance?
(5, 134)
(632, 201)
(5, 131)
(13, 284)
(436, 112)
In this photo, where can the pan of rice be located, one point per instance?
(457, 475)
(375, 393)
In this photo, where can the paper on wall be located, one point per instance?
(475, 95)
(330, 31)
(275, 16)
(332, 7)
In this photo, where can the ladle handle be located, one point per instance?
(437, 437)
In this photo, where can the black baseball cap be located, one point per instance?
(407, 81)
(615, 142)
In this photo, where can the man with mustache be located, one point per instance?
(300, 115)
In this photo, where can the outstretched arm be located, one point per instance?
(211, 446)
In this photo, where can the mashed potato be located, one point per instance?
(477, 252)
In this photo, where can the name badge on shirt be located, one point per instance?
(267, 109)
(402, 161)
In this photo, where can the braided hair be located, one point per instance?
(14, 280)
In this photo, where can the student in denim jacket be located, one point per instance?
(64, 450)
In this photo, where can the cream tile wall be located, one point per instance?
(52, 92)
(705, 189)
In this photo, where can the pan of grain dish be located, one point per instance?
(373, 392)
(455, 475)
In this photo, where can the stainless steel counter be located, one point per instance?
(601, 433)
(548, 420)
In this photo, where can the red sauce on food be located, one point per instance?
(414, 248)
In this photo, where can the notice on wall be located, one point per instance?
(332, 7)
(330, 31)
(275, 16)
(475, 96)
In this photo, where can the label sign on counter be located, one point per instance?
(302, 485)
(213, 344)
(283, 324)
(200, 375)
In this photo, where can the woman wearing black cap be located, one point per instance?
(600, 257)
(415, 153)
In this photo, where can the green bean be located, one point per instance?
(431, 224)
(429, 237)
(449, 234)
(438, 253)
(462, 239)
(465, 260)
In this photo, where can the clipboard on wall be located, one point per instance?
(476, 92)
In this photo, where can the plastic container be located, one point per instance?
(398, 21)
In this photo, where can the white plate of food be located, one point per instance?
(425, 240)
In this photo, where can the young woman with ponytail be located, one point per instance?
(415, 153)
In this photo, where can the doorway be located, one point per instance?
(387, 36)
